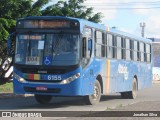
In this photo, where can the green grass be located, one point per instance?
(118, 106)
(6, 88)
(108, 109)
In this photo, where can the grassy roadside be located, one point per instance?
(6, 88)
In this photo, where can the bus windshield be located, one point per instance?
(47, 49)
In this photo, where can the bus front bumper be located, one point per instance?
(55, 89)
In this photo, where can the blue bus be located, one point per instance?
(64, 56)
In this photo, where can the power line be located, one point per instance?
(131, 8)
(155, 2)
(103, 4)
(126, 5)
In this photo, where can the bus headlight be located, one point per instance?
(20, 79)
(70, 79)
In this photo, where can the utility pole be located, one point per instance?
(142, 25)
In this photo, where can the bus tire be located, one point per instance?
(43, 99)
(124, 95)
(94, 98)
(133, 94)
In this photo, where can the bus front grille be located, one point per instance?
(44, 81)
(49, 90)
(36, 71)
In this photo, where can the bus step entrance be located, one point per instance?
(6, 71)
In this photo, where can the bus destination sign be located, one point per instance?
(46, 24)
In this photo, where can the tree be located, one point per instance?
(72, 8)
(11, 10)
(6, 27)
(36, 9)
(15, 9)
(3, 31)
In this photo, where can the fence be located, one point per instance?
(5, 64)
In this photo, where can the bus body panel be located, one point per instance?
(117, 75)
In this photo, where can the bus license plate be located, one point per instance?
(41, 88)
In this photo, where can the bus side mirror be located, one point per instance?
(9, 44)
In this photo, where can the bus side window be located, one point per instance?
(148, 52)
(114, 47)
(135, 50)
(99, 44)
(106, 43)
(131, 49)
(127, 49)
(88, 34)
(109, 46)
(145, 54)
(123, 48)
(138, 52)
(119, 46)
(142, 51)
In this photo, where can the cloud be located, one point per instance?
(99, 6)
(151, 29)
(138, 9)
(152, 20)
(153, 25)
(126, 30)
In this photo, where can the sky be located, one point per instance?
(126, 15)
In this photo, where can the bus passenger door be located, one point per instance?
(87, 84)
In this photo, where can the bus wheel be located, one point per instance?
(124, 95)
(94, 98)
(133, 94)
(43, 99)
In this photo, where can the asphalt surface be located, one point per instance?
(147, 100)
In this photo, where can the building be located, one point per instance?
(156, 58)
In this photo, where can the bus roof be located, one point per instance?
(118, 32)
(46, 17)
(91, 24)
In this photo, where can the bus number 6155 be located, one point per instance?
(54, 77)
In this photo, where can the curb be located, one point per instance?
(156, 81)
(12, 95)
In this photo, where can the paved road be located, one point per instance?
(142, 102)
